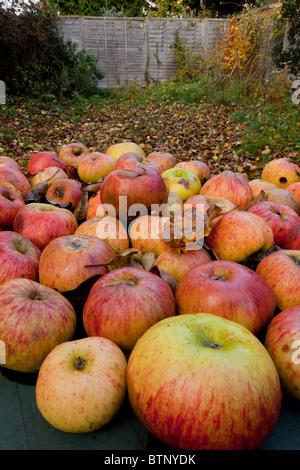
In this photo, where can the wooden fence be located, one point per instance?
(140, 49)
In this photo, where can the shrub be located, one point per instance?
(34, 58)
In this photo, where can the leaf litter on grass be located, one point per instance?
(207, 132)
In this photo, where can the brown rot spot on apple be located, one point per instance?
(184, 183)
(79, 363)
(285, 348)
(283, 180)
(211, 344)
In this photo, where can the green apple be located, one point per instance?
(182, 182)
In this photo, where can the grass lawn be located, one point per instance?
(236, 126)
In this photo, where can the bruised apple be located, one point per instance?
(182, 182)
(281, 172)
(64, 192)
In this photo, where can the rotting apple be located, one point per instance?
(202, 382)
(281, 172)
(279, 217)
(182, 182)
(42, 223)
(239, 235)
(33, 320)
(229, 290)
(281, 270)
(81, 384)
(124, 303)
(95, 166)
(64, 192)
(229, 186)
(69, 260)
(19, 257)
(282, 341)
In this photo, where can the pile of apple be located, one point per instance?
(203, 337)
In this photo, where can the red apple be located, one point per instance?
(106, 228)
(10, 162)
(281, 270)
(258, 185)
(94, 166)
(146, 233)
(281, 172)
(18, 257)
(10, 203)
(117, 150)
(72, 154)
(239, 235)
(166, 159)
(229, 186)
(33, 320)
(16, 179)
(132, 160)
(279, 217)
(65, 192)
(45, 159)
(68, 261)
(202, 382)
(124, 303)
(51, 173)
(282, 342)
(229, 290)
(42, 223)
(93, 203)
(291, 240)
(201, 169)
(294, 188)
(81, 384)
(138, 188)
(178, 261)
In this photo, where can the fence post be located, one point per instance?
(146, 55)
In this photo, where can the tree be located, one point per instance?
(100, 7)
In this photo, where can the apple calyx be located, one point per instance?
(218, 277)
(35, 295)
(79, 363)
(208, 343)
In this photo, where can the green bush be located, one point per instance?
(35, 60)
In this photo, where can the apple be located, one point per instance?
(33, 320)
(117, 150)
(281, 172)
(281, 270)
(42, 223)
(258, 185)
(229, 290)
(166, 159)
(18, 257)
(131, 160)
(45, 159)
(229, 186)
(294, 188)
(291, 239)
(178, 261)
(284, 197)
(209, 201)
(10, 203)
(239, 235)
(106, 228)
(10, 162)
(124, 303)
(72, 154)
(202, 382)
(81, 384)
(95, 166)
(93, 202)
(51, 173)
(279, 217)
(182, 182)
(201, 169)
(139, 188)
(146, 233)
(16, 179)
(65, 192)
(282, 341)
(69, 260)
